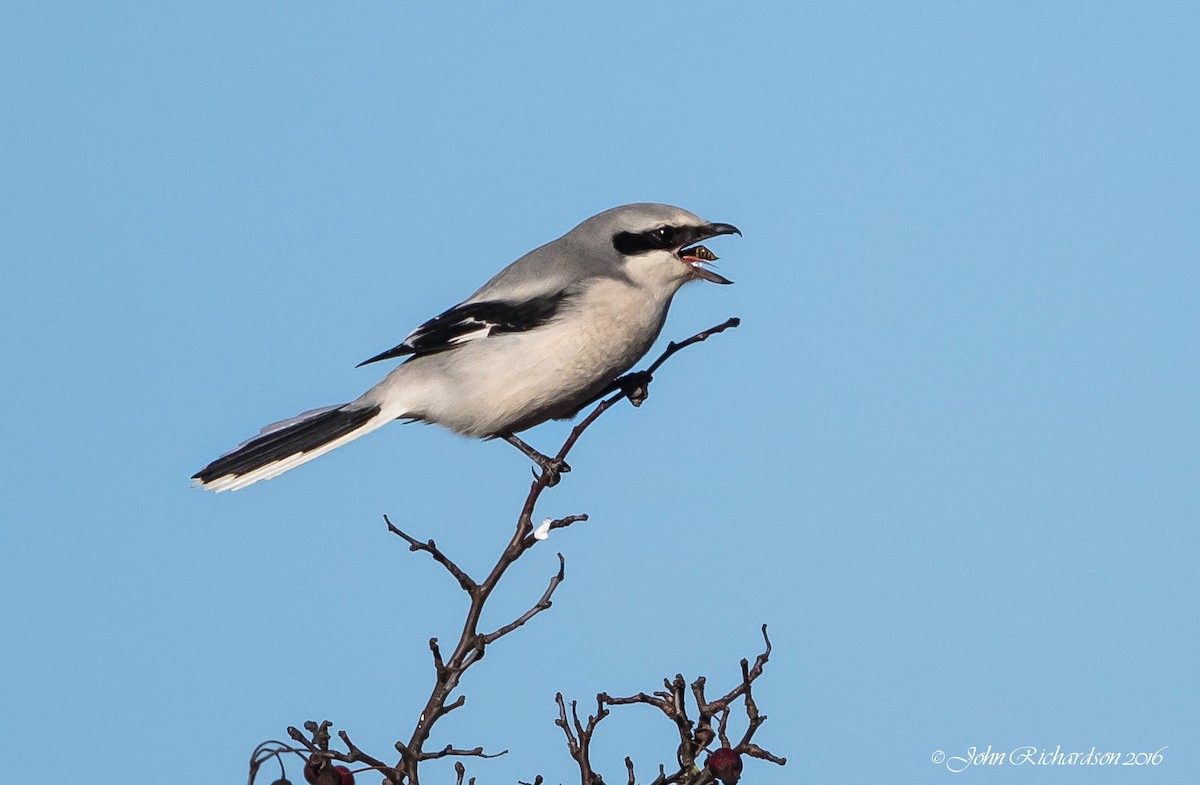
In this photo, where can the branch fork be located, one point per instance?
(313, 744)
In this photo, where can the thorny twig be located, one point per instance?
(471, 645)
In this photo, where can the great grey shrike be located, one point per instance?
(543, 338)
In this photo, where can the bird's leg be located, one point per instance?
(552, 468)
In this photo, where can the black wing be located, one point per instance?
(474, 320)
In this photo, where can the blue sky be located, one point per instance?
(950, 457)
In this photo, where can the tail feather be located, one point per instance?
(288, 444)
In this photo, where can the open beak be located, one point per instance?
(696, 256)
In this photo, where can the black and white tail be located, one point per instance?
(287, 444)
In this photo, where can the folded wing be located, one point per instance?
(472, 321)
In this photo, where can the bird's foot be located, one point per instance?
(552, 468)
(636, 386)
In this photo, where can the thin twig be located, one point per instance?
(449, 751)
(357, 755)
(557, 523)
(431, 548)
(541, 605)
(755, 751)
(759, 662)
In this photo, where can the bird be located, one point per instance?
(546, 336)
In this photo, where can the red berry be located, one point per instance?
(347, 775)
(725, 765)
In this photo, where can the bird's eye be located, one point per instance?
(664, 236)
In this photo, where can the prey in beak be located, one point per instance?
(696, 256)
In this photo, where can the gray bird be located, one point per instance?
(546, 336)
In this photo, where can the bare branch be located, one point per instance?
(549, 526)
(755, 751)
(357, 755)
(450, 666)
(748, 676)
(431, 548)
(271, 749)
(703, 335)
(541, 605)
(298, 736)
(457, 703)
(695, 737)
(641, 697)
(438, 664)
(572, 741)
(449, 751)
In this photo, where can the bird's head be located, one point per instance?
(658, 244)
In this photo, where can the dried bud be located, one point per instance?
(725, 765)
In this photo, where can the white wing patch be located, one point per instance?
(481, 332)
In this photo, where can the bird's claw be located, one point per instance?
(552, 470)
(636, 386)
